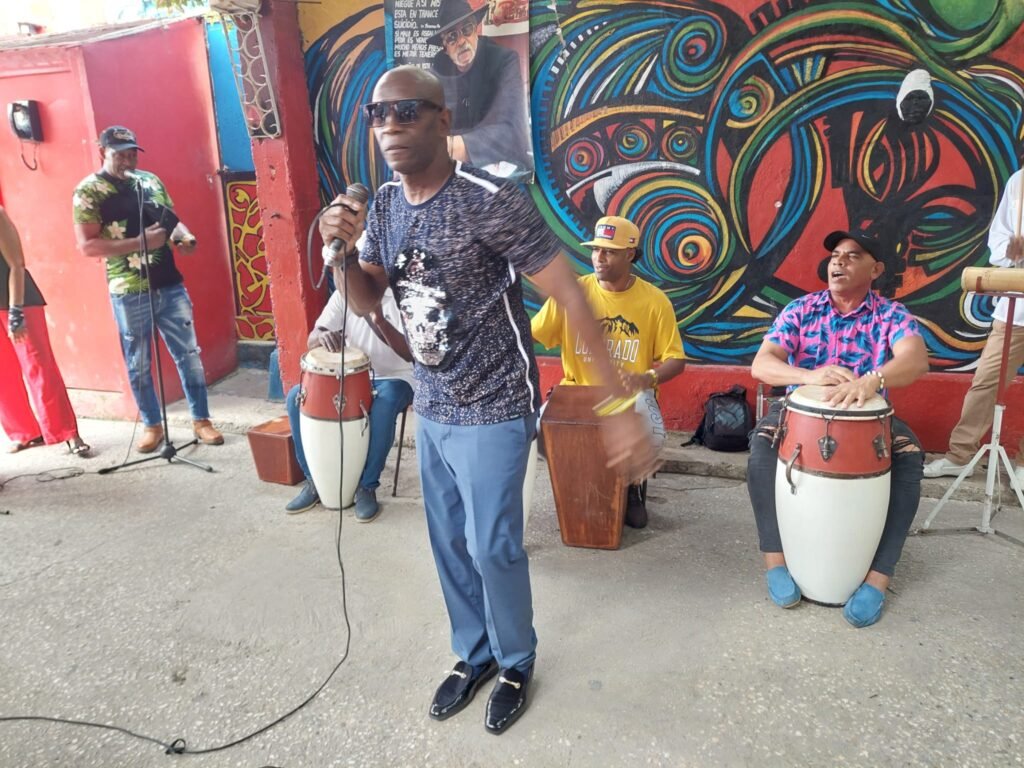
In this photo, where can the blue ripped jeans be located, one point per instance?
(173, 312)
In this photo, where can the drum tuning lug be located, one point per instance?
(366, 417)
(827, 447)
(780, 433)
(339, 402)
(827, 444)
(300, 398)
(789, 468)
(880, 450)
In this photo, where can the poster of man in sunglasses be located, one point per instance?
(479, 50)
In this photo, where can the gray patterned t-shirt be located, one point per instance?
(453, 264)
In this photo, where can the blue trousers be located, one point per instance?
(173, 312)
(472, 479)
(390, 398)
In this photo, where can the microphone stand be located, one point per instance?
(168, 450)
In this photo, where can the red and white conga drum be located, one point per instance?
(832, 490)
(319, 407)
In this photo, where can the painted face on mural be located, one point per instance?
(460, 44)
(852, 269)
(410, 148)
(120, 162)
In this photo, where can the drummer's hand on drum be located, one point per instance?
(831, 375)
(855, 392)
(1015, 249)
(627, 441)
(332, 341)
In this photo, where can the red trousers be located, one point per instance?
(30, 363)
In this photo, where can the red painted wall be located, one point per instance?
(931, 406)
(82, 329)
(156, 82)
(288, 191)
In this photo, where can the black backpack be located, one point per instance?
(727, 421)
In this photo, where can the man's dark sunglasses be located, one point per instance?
(465, 29)
(405, 110)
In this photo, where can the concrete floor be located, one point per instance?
(177, 603)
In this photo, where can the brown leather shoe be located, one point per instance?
(206, 433)
(151, 438)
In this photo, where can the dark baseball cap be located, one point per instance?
(863, 238)
(117, 137)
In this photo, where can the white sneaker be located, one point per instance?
(945, 468)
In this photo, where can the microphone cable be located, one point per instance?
(179, 746)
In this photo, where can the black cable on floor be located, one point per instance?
(179, 746)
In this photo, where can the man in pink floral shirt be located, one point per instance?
(857, 343)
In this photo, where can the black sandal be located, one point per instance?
(81, 450)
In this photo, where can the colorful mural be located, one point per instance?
(738, 135)
(255, 318)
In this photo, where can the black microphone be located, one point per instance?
(360, 193)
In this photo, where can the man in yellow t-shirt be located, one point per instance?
(637, 318)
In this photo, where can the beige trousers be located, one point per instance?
(976, 417)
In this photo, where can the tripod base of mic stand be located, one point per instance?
(167, 451)
(990, 509)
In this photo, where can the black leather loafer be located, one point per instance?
(458, 689)
(508, 699)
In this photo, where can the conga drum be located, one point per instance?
(590, 500)
(831, 490)
(320, 405)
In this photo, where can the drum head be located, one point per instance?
(319, 360)
(811, 398)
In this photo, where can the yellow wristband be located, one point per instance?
(611, 406)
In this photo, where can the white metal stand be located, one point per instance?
(998, 455)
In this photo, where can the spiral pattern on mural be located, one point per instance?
(692, 55)
(728, 139)
(583, 157)
(680, 143)
(682, 230)
(750, 102)
(632, 141)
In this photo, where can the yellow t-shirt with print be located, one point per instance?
(639, 327)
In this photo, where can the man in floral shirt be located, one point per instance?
(106, 210)
(855, 343)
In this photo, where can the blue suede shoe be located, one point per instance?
(864, 608)
(307, 499)
(366, 504)
(781, 588)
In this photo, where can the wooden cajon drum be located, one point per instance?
(589, 498)
(273, 452)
